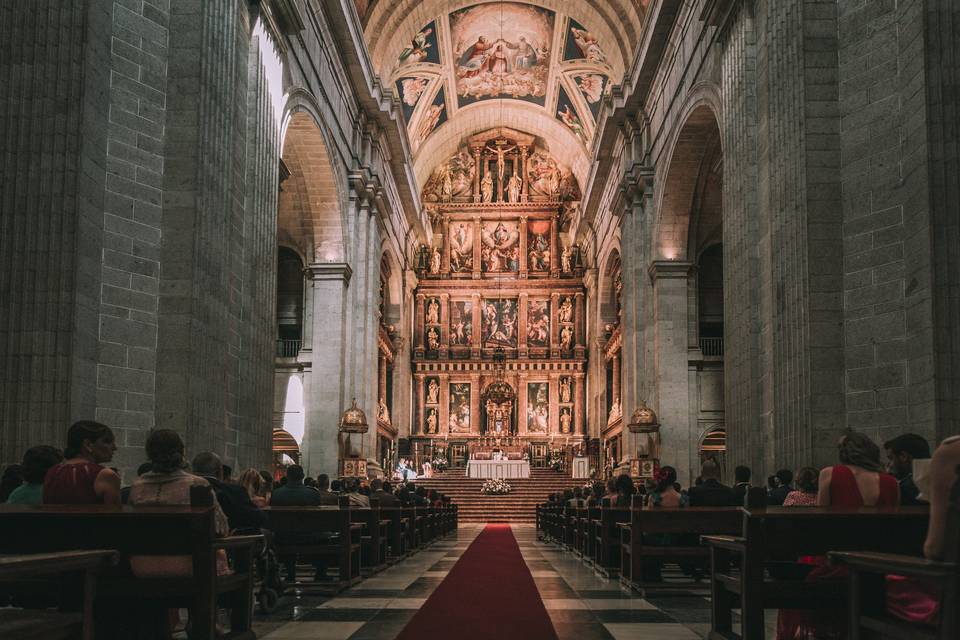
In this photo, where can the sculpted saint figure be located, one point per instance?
(433, 311)
(513, 188)
(433, 339)
(432, 421)
(566, 310)
(564, 389)
(433, 392)
(382, 412)
(486, 188)
(565, 420)
(435, 261)
(566, 338)
(565, 259)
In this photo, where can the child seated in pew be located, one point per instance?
(36, 462)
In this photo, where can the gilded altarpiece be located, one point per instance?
(504, 284)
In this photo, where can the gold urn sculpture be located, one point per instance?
(353, 426)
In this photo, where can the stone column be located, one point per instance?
(555, 325)
(477, 168)
(672, 396)
(382, 378)
(579, 427)
(444, 325)
(524, 267)
(418, 402)
(476, 317)
(475, 403)
(615, 366)
(443, 422)
(477, 242)
(521, 387)
(523, 169)
(522, 325)
(554, 253)
(445, 259)
(553, 403)
(324, 381)
(418, 330)
(580, 322)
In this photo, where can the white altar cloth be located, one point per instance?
(498, 469)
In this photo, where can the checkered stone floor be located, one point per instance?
(581, 605)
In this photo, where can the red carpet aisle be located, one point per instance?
(488, 595)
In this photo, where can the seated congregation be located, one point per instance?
(858, 549)
(185, 547)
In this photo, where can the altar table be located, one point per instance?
(498, 469)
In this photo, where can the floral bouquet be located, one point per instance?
(440, 464)
(495, 486)
(557, 464)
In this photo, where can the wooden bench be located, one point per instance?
(868, 617)
(397, 535)
(775, 537)
(319, 532)
(373, 538)
(153, 531)
(606, 538)
(81, 566)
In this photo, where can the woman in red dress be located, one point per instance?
(81, 478)
(858, 481)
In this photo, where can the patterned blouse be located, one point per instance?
(800, 499)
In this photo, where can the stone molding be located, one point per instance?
(670, 269)
(329, 271)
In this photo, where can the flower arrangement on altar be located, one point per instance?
(556, 464)
(495, 486)
(439, 464)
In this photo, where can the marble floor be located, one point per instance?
(581, 605)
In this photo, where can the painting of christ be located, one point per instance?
(461, 323)
(538, 407)
(499, 323)
(538, 245)
(460, 407)
(501, 246)
(501, 50)
(461, 247)
(538, 323)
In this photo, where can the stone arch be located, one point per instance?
(607, 290)
(690, 201)
(309, 212)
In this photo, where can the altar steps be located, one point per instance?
(517, 506)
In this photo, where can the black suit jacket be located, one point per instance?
(712, 494)
(385, 499)
(241, 513)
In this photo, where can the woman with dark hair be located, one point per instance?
(12, 478)
(665, 493)
(625, 491)
(805, 494)
(36, 462)
(81, 478)
(858, 481)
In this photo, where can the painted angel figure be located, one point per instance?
(573, 122)
(416, 51)
(592, 87)
(588, 45)
(412, 89)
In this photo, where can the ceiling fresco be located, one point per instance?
(469, 66)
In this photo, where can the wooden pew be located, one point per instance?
(589, 543)
(373, 538)
(778, 535)
(606, 533)
(681, 524)
(158, 531)
(867, 614)
(413, 527)
(396, 532)
(330, 534)
(79, 568)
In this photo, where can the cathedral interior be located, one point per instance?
(639, 232)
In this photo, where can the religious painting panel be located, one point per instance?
(461, 246)
(538, 245)
(423, 48)
(461, 323)
(538, 407)
(460, 407)
(411, 89)
(434, 116)
(501, 246)
(567, 114)
(501, 50)
(538, 323)
(499, 323)
(582, 45)
(592, 86)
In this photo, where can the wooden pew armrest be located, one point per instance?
(235, 542)
(893, 563)
(730, 543)
(624, 525)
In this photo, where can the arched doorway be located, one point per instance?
(286, 451)
(713, 446)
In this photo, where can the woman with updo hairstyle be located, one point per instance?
(665, 494)
(252, 481)
(168, 483)
(81, 478)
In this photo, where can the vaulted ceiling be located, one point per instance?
(460, 67)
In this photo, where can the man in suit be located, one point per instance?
(242, 514)
(711, 493)
(381, 495)
(901, 452)
(784, 486)
(742, 476)
(327, 497)
(296, 494)
(356, 498)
